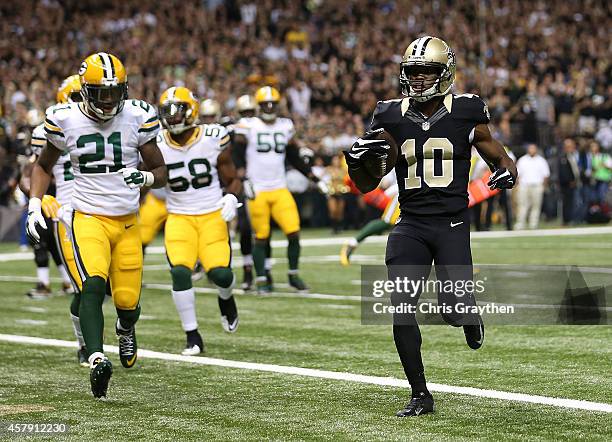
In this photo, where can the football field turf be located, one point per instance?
(161, 399)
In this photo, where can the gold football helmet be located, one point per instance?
(246, 106)
(267, 99)
(70, 90)
(103, 85)
(427, 57)
(178, 109)
(210, 111)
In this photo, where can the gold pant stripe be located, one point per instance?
(77, 256)
(63, 242)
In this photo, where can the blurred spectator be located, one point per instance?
(545, 115)
(548, 65)
(533, 177)
(299, 99)
(335, 174)
(602, 172)
(569, 179)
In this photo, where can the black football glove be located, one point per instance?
(368, 149)
(501, 179)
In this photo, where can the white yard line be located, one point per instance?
(340, 240)
(274, 294)
(333, 375)
(289, 295)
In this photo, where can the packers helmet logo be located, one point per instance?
(83, 68)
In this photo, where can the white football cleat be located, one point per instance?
(192, 351)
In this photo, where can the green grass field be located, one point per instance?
(161, 400)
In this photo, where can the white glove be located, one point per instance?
(136, 179)
(64, 214)
(229, 207)
(323, 187)
(35, 218)
(247, 189)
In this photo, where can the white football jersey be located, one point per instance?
(193, 180)
(159, 193)
(62, 171)
(265, 153)
(99, 150)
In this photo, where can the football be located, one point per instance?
(378, 166)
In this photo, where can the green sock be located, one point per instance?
(259, 257)
(128, 318)
(374, 227)
(90, 313)
(293, 251)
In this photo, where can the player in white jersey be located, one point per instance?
(246, 107)
(262, 144)
(58, 208)
(48, 244)
(198, 212)
(105, 135)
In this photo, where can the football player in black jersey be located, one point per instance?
(433, 131)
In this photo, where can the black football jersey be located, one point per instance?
(433, 163)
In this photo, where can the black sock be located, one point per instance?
(422, 391)
(192, 334)
(408, 344)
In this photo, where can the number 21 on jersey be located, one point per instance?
(437, 169)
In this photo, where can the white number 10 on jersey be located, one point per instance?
(412, 180)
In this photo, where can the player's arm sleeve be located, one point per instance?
(38, 140)
(149, 126)
(377, 121)
(53, 130)
(471, 108)
(225, 139)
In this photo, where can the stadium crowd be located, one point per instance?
(543, 67)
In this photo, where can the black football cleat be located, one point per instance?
(99, 376)
(128, 348)
(269, 280)
(229, 314)
(41, 291)
(418, 406)
(82, 357)
(296, 282)
(474, 334)
(247, 281)
(195, 344)
(263, 288)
